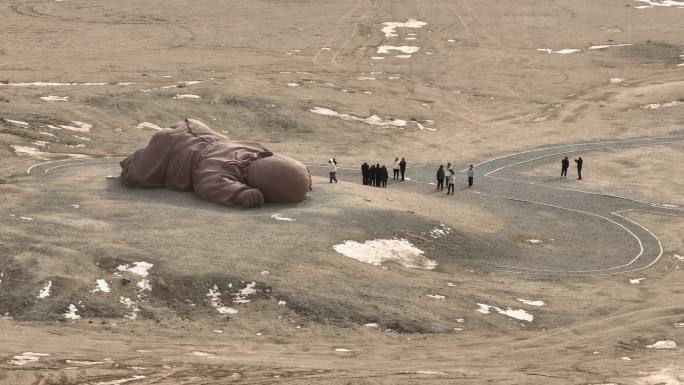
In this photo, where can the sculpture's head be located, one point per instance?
(279, 178)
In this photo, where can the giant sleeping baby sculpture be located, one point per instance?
(191, 156)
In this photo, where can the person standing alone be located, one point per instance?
(440, 178)
(395, 169)
(402, 168)
(579, 162)
(565, 164)
(384, 175)
(471, 175)
(332, 167)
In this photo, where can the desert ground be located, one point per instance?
(524, 278)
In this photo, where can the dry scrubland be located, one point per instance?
(104, 285)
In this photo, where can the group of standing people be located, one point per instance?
(565, 164)
(376, 175)
(448, 176)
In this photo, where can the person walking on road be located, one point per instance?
(579, 162)
(471, 175)
(332, 167)
(565, 164)
(451, 182)
(402, 168)
(384, 175)
(395, 169)
(440, 177)
(364, 172)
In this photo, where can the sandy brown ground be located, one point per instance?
(478, 76)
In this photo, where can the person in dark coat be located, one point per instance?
(384, 174)
(565, 164)
(440, 177)
(579, 162)
(402, 168)
(371, 175)
(364, 172)
(378, 175)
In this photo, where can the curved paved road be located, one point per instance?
(495, 182)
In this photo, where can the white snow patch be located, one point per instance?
(215, 300)
(280, 217)
(517, 314)
(17, 122)
(292, 84)
(144, 284)
(102, 286)
(130, 304)
(563, 51)
(441, 231)
(201, 354)
(403, 56)
(390, 27)
(36, 153)
(41, 143)
(659, 3)
(657, 106)
(138, 268)
(665, 344)
(636, 281)
(26, 218)
(678, 257)
(181, 84)
(604, 46)
(372, 325)
(241, 296)
(377, 57)
(343, 350)
(616, 80)
(378, 251)
(71, 313)
(282, 303)
(121, 381)
(45, 291)
(407, 49)
(366, 78)
(665, 376)
(436, 296)
(26, 358)
(372, 120)
(74, 362)
(410, 38)
(186, 96)
(53, 98)
(77, 126)
(534, 241)
(85, 138)
(531, 302)
(149, 125)
(679, 325)
(52, 84)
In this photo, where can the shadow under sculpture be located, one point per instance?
(192, 156)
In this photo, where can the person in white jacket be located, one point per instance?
(332, 167)
(395, 169)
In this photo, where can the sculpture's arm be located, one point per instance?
(220, 187)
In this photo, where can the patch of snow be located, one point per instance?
(519, 314)
(73, 362)
(531, 302)
(604, 46)
(149, 125)
(403, 56)
(390, 27)
(77, 126)
(16, 122)
(186, 96)
(102, 286)
(280, 217)
(241, 296)
(75, 206)
(71, 313)
(534, 241)
(85, 138)
(343, 350)
(52, 84)
(563, 51)
(282, 303)
(441, 231)
(377, 57)
(292, 84)
(26, 358)
(678, 257)
(121, 381)
(659, 3)
(144, 284)
(138, 268)
(665, 344)
(636, 281)
(132, 305)
(200, 354)
(366, 78)
(616, 80)
(215, 300)
(45, 291)
(26, 218)
(407, 49)
(378, 251)
(679, 325)
(657, 106)
(372, 325)
(52, 98)
(372, 120)
(436, 296)
(41, 143)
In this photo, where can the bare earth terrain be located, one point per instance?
(522, 279)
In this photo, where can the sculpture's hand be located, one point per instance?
(250, 198)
